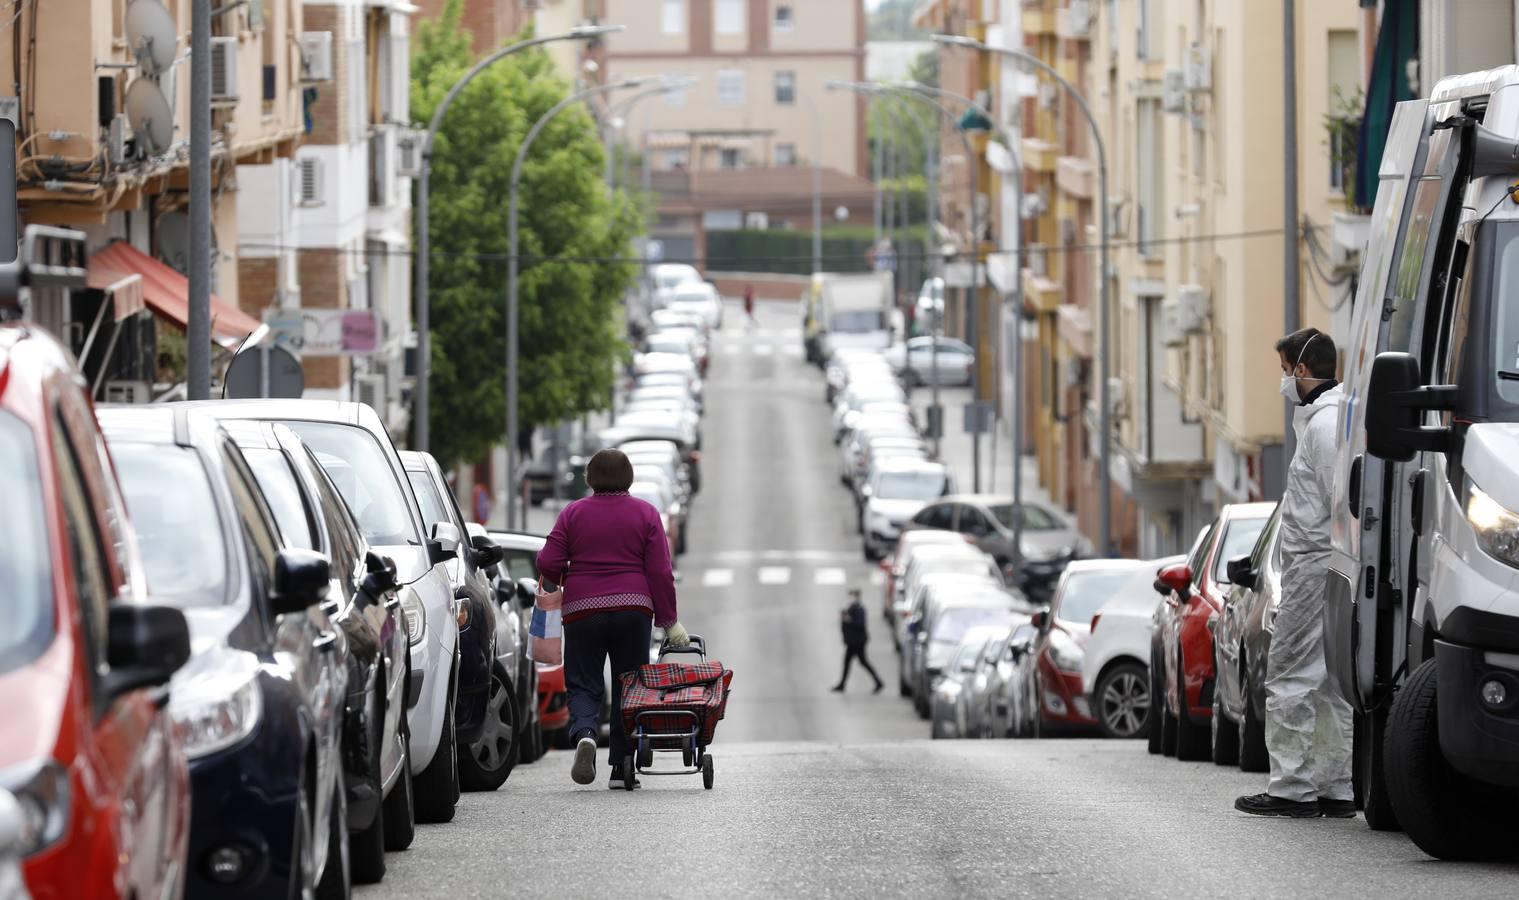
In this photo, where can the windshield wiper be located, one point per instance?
(1508, 375)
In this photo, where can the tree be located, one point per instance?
(574, 241)
(892, 21)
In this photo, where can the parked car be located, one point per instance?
(553, 702)
(1012, 693)
(1241, 640)
(897, 489)
(636, 439)
(1048, 542)
(13, 837)
(946, 559)
(664, 278)
(311, 515)
(1115, 674)
(514, 581)
(946, 614)
(355, 450)
(1084, 587)
(87, 748)
(896, 566)
(1183, 643)
(952, 691)
(677, 341)
(260, 703)
(917, 361)
(698, 297)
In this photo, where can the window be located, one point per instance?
(25, 563)
(184, 552)
(973, 523)
(785, 154)
(427, 499)
(784, 19)
(1238, 541)
(730, 158)
(1344, 91)
(1086, 592)
(672, 19)
(730, 17)
(257, 521)
(344, 543)
(358, 466)
(730, 87)
(1150, 175)
(785, 88)
(92, 579)
(941, 516)
(278, 484)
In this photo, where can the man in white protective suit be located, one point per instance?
(1308, 723)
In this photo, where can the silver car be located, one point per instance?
(952, 690)
(1012, 700)
(944, 619)
(1048, 541)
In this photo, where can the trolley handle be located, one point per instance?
(697, 646)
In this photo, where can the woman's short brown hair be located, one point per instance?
(609, 470)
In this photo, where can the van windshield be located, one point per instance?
(26, 566)
(860, 321)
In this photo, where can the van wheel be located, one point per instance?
(1448, 815)
(1252, 733)
(1371, 770)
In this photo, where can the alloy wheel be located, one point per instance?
(1125, 704)
(495, 744)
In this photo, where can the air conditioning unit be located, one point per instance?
(316, 56)
(311, 185)
(1079, 18)
(1067, 232)
(1191, 307)
(223, 70)
(1199, 68)
(1171, 332)
(409, 153)
(1173, 94)
(128, 392)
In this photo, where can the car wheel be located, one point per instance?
(302, 864)
(485, 764)
(1157, 709)
(366, 852)
(1191, 738)
(438, 782)
(1223, 735)
(399, 808)
(336, 883)
(1252, 731)
(1448, 815)
(1123, 701)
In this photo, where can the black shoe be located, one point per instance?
(583, 771)
(1337, 809)
(1267, 805)
(617, 784)
(838, 689)
(879, 686)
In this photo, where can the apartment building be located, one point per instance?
(330, 228)
(102, 117)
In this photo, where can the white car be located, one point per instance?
(917, 362)
(897, 489)
(1115, 674)
(698, 297)
(664, 278)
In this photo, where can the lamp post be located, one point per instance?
(612, 154)
(424, 239)
(817, 183)
(511, 277)
(1104, 406)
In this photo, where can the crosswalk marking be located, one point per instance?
(830, 575)
(877, 578)
(775, 575)
(763, 349)
(717, 578)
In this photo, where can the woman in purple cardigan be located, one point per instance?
(610, 553)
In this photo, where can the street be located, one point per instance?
(827, 794)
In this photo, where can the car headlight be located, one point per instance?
(938, 654)
(1497, 529)
(42, 793)
(1065, 652)
(216, 711)
(416, 617)
(879, 522)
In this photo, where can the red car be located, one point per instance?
(1181, 663)
(1059, 651)
(85, 743)
(553, 702)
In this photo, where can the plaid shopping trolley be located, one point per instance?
(674, 707)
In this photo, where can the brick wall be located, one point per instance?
(490, 22)
(258, 281)
(323, 280)
(328, 123)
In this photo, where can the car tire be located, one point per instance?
(1126, 687)
(1371, 770)
(399, 808)
(1192, 743)
(1252, 731)
(366, 851)
(435, 797)
(1157, 710)
(1223, 734)
(337, 873)
(486, 764)
(1446, 814)
(1167, 732)
(301, 863)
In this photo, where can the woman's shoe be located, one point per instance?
(584, 769)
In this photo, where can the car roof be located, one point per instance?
(1080, 566)
(1258, 510)
(517, 540)
(909, 464)
(157, 423)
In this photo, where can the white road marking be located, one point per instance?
(775, 575)
(791, 350)
(763, 349)
(877, 577)
(829, 575)
(717, 578)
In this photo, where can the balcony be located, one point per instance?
(1074, 22)
(1074, 177)
(1038, 21)
(1039, 155)
(1040, 292)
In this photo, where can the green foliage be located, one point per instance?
(1342, 136)
(789, 251)
(901, 128)
(892, 21)
(570, 319)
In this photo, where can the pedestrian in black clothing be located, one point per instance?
(852, 623)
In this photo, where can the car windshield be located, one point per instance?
(1035, 518)
(965, 660)
(519, 564)
(953, 623)
(1239, 540)
(184, 551)
(278, 484)
(428, 500)
(1086, 592)
(860, 321)
(910, 485)
(353, 459)
(26, 569)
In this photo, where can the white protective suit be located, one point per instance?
(1308, 723)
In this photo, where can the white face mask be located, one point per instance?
(1288, 387)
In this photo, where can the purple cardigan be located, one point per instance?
(609, 544)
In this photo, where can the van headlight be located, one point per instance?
(216, 711)
(1497, 528)
(416, 617)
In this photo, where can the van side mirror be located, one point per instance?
(301, 580)
(1240, 573)
(1176, 578)
(1395, 402)
(382, 573)
(444, 543)
(145, 645)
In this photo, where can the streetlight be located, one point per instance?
(1104, 406)
(625, 108)
(511, 276)
(424, 239)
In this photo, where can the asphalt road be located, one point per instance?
(822, 794)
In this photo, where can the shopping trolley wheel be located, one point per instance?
(645, 753)
(628, 771)
(706, 771)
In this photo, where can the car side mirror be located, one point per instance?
(145, 645)
(444, 543)
(527, 591)
(1040, 619)
(1240, 572)
(1395, 403)
(487, 551)
(1176, 578)
(382, 573)
(301, 580)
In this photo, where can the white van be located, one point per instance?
(1423, 593)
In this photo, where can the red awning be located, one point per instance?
(166, 291)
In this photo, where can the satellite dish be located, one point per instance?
(152, 119)
(150, 34)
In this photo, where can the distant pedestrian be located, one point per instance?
(749, 303)
(852, 623)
